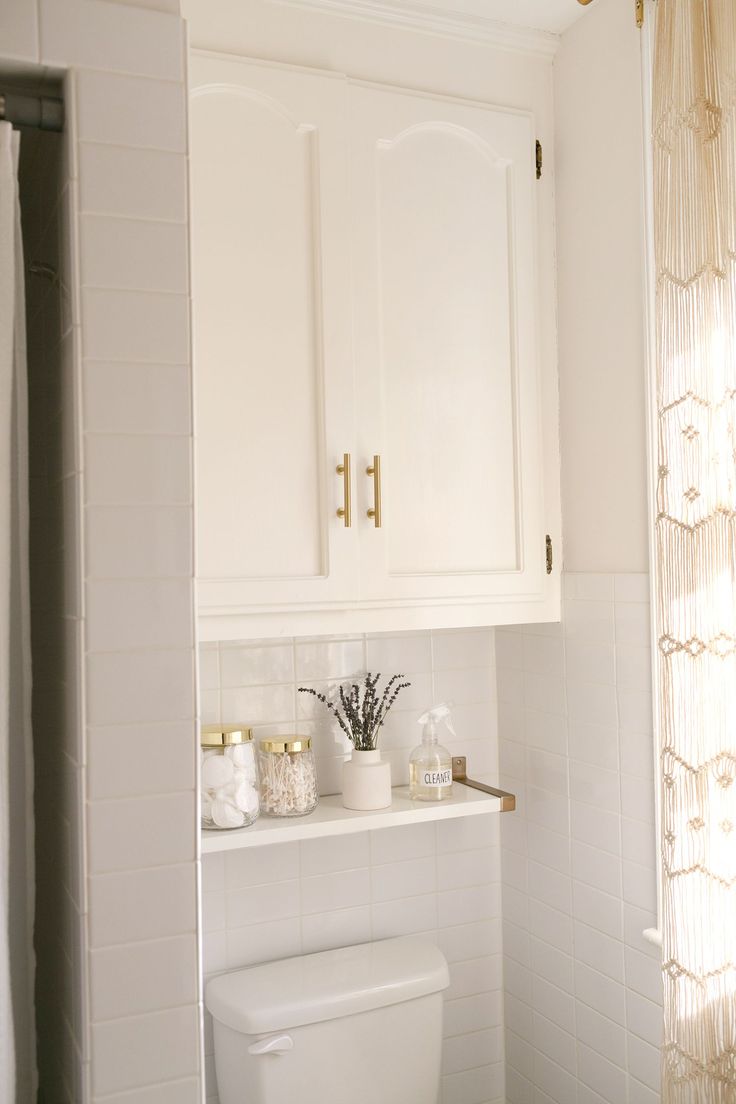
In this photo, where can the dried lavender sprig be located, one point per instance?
(347, 708)
(380, 710)
(370, 700)
(382, 716)
(387, 689)
(356, 719)
(363, 714)
(373, 703)
(333, 709)
(355, 706)
(369, 697)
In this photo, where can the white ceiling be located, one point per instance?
(543, 15)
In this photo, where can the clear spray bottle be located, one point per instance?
(430, 764)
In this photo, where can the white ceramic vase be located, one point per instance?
(366, 781)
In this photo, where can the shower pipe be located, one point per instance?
(32, 111)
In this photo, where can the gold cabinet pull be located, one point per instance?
(345, 511)
(375, 470)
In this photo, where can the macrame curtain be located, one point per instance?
(695, 244)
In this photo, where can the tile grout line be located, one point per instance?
(620, 844)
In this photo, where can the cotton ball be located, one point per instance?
(246, 798)
(226, 815)
(206, 807)
(244, 761)
(249, 773)
(245, 775)
(242, 754)
(216, 772)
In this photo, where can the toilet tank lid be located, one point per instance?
(313, 988)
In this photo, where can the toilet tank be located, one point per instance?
(357, 1025)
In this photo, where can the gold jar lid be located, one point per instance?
(288, 744)
(214, 736)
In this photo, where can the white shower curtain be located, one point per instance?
(17, 1029)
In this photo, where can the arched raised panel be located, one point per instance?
(257, 338)
(446, 331)
(447, 353)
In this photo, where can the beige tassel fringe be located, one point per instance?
(695, 238)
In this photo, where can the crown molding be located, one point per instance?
(438, 21)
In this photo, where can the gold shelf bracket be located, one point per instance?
(459, 765)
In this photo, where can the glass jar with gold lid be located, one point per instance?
(287, 776)
(228, 777)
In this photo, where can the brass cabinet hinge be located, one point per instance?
(638, 10)
(539, 159)
(548, 552)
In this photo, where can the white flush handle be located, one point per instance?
(276, 1044)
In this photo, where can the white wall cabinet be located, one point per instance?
(274, 401)
(365, 281)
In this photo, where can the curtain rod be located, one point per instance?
(33, 111)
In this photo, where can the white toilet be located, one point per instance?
(359, 1025)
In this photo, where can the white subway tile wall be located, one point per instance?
(582, 986)
(258, 682)
(114, 705)
(436, 880)
(442, 880)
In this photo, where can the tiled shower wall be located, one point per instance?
(124, 663)
(582, 985)
(440, 879)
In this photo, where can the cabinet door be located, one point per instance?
(443, 233)
(272, 347)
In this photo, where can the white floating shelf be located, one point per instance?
(331, 819)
